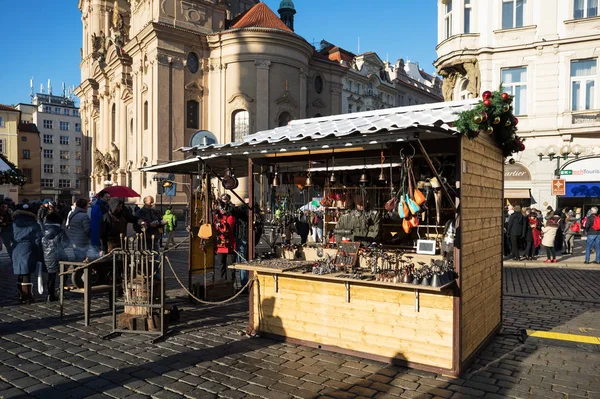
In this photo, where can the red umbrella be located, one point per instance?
(121, 192)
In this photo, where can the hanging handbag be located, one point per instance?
(391, 204)
(412, 205)
(206, 231)
(406, 226)
(419, 197)
(402, 210)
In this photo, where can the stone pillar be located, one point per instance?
(121, 139)
(262, 94)
(302, 94)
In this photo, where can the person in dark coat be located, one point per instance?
(516, 230)
(79, 229)
(27, 237)
(113, 228)
(54, 242)
(6, 232)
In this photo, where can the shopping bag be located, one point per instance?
(40, 280)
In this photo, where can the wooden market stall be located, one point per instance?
(361, 306)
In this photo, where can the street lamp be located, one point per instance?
(552, 151)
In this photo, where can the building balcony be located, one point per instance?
(463, 44)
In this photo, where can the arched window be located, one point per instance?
(463, 93)
(285, 118)
(113, 123)
(240, 125)
(192, 114)
(370, 89)
(145, 115)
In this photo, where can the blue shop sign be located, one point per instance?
(579, 189)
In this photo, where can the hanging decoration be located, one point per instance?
(12, 176)
(493, 116)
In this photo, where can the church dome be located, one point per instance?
(286, 4)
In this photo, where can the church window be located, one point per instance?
(192, 114)
(241, 125)
(145, 115)
(318, 84)
(285, 118)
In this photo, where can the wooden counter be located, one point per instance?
(394, 322)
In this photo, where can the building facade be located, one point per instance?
(157, 76)
(545, 53)
(30, 160)
(370, 83)
(61, 144)
(9, 127)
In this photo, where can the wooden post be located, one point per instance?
(250, 209)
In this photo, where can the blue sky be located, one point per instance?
(42, 40)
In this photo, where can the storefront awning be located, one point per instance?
(517, 193)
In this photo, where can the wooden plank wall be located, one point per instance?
(378, 321)
(481, 226)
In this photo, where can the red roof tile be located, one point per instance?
(7, 108)
(260, 16)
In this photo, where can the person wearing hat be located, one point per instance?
(570, 228)
(516, 230)
(42, 212)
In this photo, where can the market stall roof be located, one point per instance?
(337, 131)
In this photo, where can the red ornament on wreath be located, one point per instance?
(486, 95)
(487, 103)
(505, 96)
(515, 121)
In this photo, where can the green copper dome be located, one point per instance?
(287, 4)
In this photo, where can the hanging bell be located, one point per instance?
(275, 180)
(381, 176)
(363, 178)
(332, 178)
(308, 181)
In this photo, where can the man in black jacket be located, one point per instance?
(516, 230)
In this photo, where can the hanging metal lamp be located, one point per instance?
(308, 176)
(276, 176)
(363, 178)
(332, 178)
(381, 177)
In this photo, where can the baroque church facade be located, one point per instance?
(157, 75)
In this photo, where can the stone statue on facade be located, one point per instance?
(114, 151)
(99, 47)
(110, 163)
(98, 162)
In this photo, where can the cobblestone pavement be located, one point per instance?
(42, 356)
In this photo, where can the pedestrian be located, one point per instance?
(99, 209)
(533, 237)
(6, 226)
(570, 229)
(79, 230)
(153, 223)
(226, 244)
(592, 229)
(516, 231)
(113, 229)
(54, 243)
(548, 237)
(42, 212)
(549, 213)
(171, 220)
(27, 236)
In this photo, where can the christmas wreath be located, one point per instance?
(494, 116)
(12, 176)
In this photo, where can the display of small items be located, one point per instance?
(324, 266)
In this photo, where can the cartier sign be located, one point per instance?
(516, 172)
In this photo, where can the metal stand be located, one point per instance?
(140, 310)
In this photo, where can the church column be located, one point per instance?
(121, 139)
(262, 94)
(302, 93)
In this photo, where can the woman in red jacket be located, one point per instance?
(224, 224)
(533, 237)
